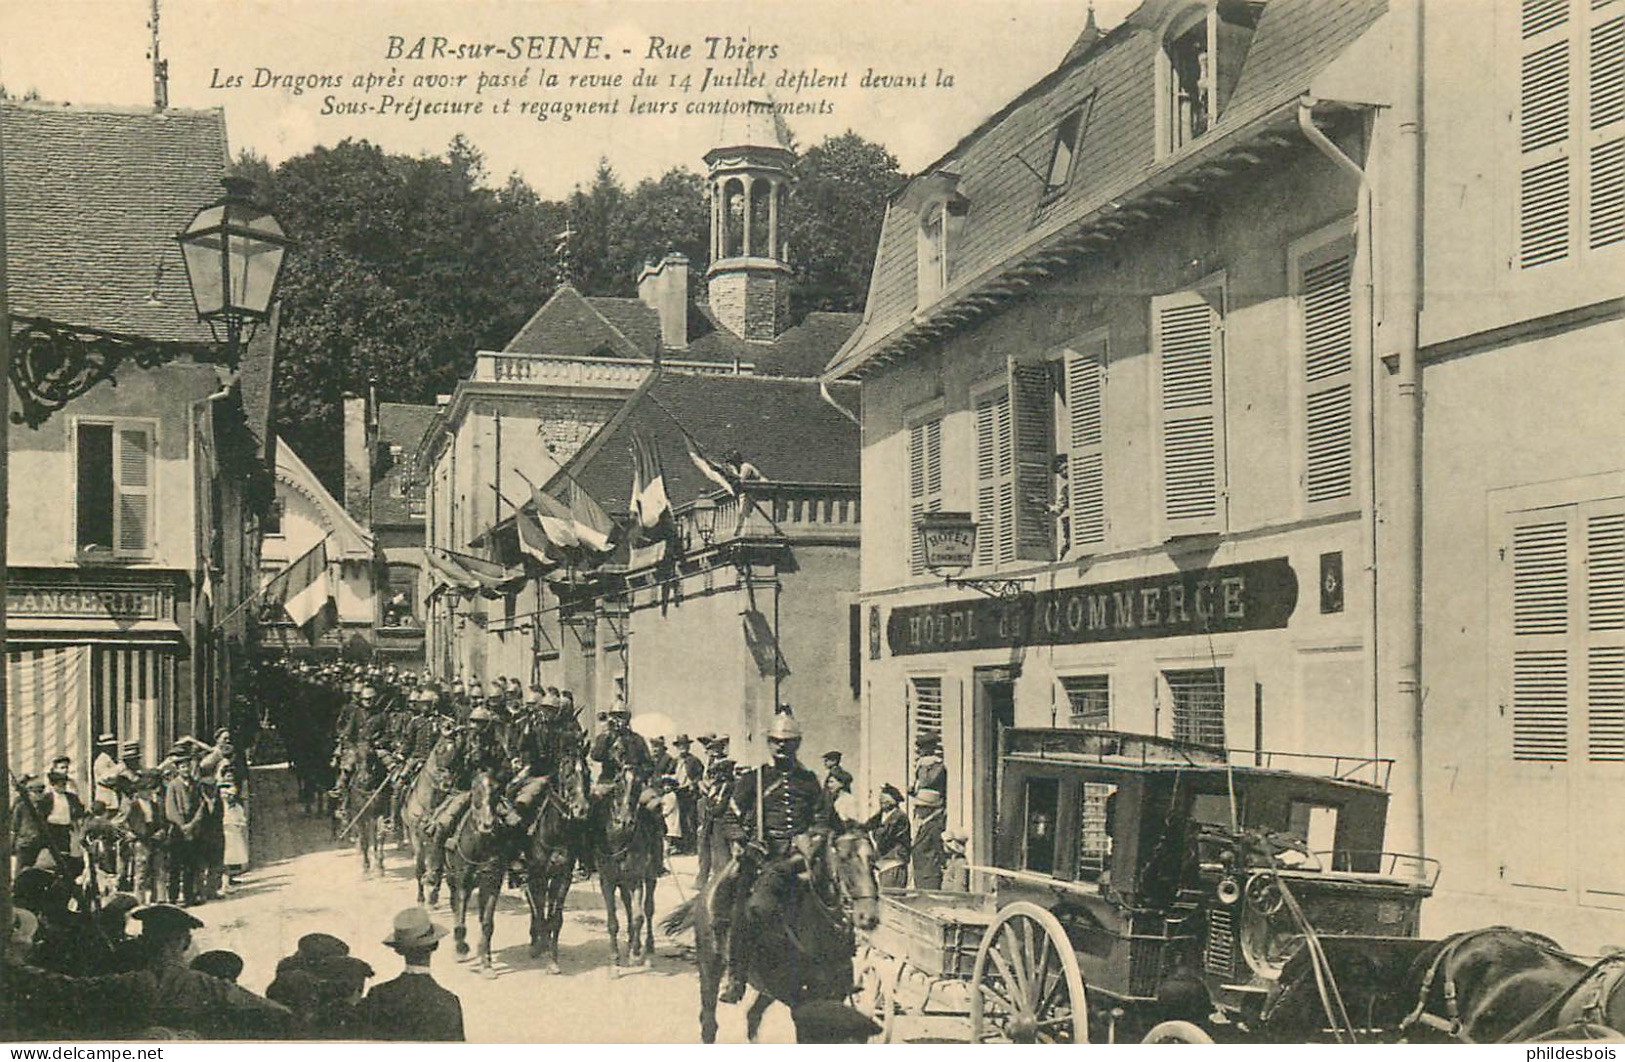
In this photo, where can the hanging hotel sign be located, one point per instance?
(948, 539)
(85, 602)
(1258, 595)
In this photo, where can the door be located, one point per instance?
(994, 709)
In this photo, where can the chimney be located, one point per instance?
(357, 460)
(664, 289)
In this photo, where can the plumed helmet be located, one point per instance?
(785, 727)
(482, 714)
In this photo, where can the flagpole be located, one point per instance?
(692, 441)
(251, 598)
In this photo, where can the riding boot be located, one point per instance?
(739, 890)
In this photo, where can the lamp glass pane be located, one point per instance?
(254, 268)
(202, 259)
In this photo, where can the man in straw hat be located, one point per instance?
(413, 1006)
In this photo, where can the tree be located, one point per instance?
(842, 187)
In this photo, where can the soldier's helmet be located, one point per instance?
(368, 695)
(482, 714)
(785, 727)
(476, 692)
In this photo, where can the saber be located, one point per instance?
(363, 808)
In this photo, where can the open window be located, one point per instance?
(1041, 812)
(113, 488)
(1203, 51)
(942, 223)
(1063, 153)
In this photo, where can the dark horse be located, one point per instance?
(1501, 985)
(560, 805)
(427, 788)
(363, 802)
(806, 953)
(474, 862)
(628, 853)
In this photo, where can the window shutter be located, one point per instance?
(1605, 617)
(133, 487)
(1032, 402)
(924, 484)
(1327, 322)
(995, 484)
(1086, 462)
(1605, 132)
(1188, 347)
(1540, 620)
(1544, 134)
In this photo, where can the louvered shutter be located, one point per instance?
(1326, 325)
(1545, 133)
(924, 484)
(132, 483)
(1086, 446)
(1604, 134)
(1032, 416)
(1605, 620)
(995, 481)
(1188, 344)
(1540, 625)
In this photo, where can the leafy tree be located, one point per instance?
(842, 187)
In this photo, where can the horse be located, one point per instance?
(628, 853)
(806, 954)
(549, 853)
(361, 802)
(475, 861)
(1504, 985)
(428, 787)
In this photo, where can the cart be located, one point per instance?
(1151, 890)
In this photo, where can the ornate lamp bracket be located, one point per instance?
(53, 363)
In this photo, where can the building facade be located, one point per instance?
(1164, 327)
(135, 507)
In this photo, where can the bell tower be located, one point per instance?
(750, 172)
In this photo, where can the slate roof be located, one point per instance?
(571, 324)
(394, 487)
(1111, 82)
(752, 414)
(94, 198)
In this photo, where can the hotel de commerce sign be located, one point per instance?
(1258, 595)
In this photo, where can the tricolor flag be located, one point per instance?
(650, 506)
(304, 590)
(715, 471)
(534, 540)
(592, 525)
(556, 520)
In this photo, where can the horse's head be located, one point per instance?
(570, 783)
(850, 860)
(480, 806)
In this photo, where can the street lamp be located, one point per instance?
(233, 250)
(704, 515)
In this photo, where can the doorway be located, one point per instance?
(993, 709)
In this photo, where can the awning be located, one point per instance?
(93, 632)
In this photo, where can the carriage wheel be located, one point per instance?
(1026, 986)
(876, 996)
(1177, 1032)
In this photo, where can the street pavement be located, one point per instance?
(303, 882)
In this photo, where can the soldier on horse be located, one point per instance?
(770, 823)
(479, 748)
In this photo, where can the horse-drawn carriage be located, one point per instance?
(1148, 889)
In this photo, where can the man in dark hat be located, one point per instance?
(226, 965)
(413, 1006)
(690, 776)
(185, 812)
(63, 812)
(930, 772)
(186, 998)
(929, 855)
(838, 784)
(336, 1013)
(312, 948)
(889, 830)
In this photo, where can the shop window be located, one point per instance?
(1197, 705)
(1203, 52)
(113, 489)
(924, 484)
(1088, 700)
(401, 601)
(1042, 808)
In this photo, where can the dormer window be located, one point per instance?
(1203, 51)
(1063, 153)
(942, 221)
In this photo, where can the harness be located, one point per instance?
(1598, 983)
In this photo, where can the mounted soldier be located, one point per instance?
(620, 748)
(778, 814)
(479, 748)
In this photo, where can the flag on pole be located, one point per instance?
(534, 540)
(715, 471)
(592, 525)
(650, 505)
(556, 520)
(304, 591)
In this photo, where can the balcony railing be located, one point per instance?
(613, 373)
